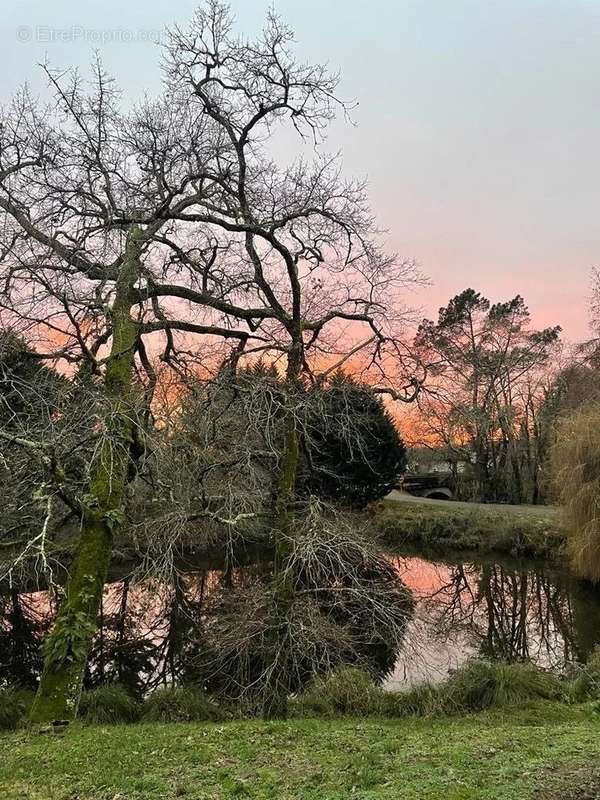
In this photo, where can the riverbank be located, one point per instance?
(434, 526)
(546, 751)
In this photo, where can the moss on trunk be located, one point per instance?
(68, 644)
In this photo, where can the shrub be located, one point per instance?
(593, 664)
(476, 686)
(108, 705)
(14, 707)
(180, 704)
(483, 684)
(345, 690)
(578, 689)
(354, 453)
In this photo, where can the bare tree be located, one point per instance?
(169, 231)
(82, 211)
(307, 235)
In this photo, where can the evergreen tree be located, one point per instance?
(353, 451)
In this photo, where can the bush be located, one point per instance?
(578, 689)
(354, 453)
(483, 684)
(477, 686)
(345, 690)
(593, 664)
(180, 704)
(108, 705)
(14, 707)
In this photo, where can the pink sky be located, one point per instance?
(477, 124)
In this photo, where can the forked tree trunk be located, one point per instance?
(68, 645)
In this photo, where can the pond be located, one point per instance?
(498, 609)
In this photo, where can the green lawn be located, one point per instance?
(446, 526)
(536, 752)
(541, 512)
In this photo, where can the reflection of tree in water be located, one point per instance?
(154, 633)
(142, 632)
(124, 649)
(329, 623)
(148, 632)
(529, 617)
(23, 625)
(585, 607)
(513, 613)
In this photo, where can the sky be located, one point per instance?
(477, 123)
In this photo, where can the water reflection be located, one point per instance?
(500, 610)
(24, 621)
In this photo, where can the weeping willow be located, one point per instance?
(576, 477)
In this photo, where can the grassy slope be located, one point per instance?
(530, 753)
(450, 525)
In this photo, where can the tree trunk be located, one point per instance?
(121, 628)
(482, 470)
(276, 697)
(19, 669)
(68, 645)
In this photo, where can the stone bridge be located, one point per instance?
(432, 485)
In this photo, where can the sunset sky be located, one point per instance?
(478, 123)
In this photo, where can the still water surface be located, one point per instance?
(500, 609)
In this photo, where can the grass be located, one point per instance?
(478, 685)
(345, 690)
(533, 752)
(435, 526)
(180, 704)
(108, 704)
(14, 707)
